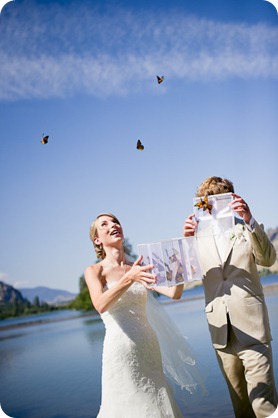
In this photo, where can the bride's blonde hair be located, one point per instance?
(94, 233)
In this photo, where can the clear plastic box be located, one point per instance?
(175, 261)
(219, 218)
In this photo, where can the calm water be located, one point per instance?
(52, 368)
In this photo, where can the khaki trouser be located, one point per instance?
(248, 372)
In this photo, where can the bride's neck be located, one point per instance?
(115, 257)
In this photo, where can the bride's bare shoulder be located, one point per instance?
(95, 270)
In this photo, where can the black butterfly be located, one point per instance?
(203, 204)
(160, 79)
(44, 140)
(139, 145)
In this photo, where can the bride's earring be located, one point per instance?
(97, 242)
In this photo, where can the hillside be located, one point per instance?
(48, 295)
(273, 236)
(10, 295)
(13, 303)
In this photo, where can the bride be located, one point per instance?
(133, 382)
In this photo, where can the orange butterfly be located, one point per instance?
(139, 145)
(44, 139)
(160, 79)
(203, 204)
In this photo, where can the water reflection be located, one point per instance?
(53, 369)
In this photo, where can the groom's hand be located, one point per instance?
(190, 226)
(241, 208)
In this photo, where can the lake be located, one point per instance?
(51, 363)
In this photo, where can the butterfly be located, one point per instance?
(160, 79)
(203, 204)
(44, 140)
(139, 145)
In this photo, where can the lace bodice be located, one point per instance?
(129, 311)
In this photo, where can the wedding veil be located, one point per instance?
(180, 364)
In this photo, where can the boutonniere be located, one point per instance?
(239, 235)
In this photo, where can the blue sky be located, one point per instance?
(84, 73)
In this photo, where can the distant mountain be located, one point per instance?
(10, 295)
(50, 296)
(12, 303)
(272, 234)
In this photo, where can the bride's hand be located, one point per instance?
(140, 274)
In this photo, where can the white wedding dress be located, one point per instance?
(133, 382)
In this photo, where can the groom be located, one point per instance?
(235, 305)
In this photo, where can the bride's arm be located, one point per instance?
(102, 299)
(174, 292)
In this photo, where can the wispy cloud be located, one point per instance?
(4, 277)
(56, 52)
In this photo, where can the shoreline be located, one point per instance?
(268, 290)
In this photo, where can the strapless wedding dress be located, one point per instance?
(133, 382)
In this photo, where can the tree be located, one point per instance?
(128, 249)
(37, 302)
(82, 301)
(82, 284)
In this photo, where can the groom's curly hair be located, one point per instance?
(215, 185)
